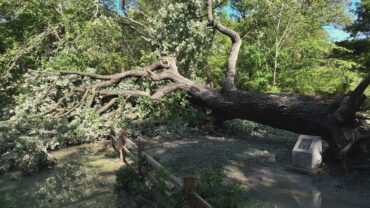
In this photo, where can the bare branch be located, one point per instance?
(236, 44)
(107, 106)
(93, 95)
(102, 81)
(137, 23)
(60, 101)
(122, 75)
(61, 114)
(118, 112)
(86, 74)
(47, 92)
(128, 93)
(29, 46)
(131, 116)
(168, 74)
(166, 90)
(110, 80)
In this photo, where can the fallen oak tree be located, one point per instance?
(332, 117)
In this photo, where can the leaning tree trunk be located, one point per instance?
(312, 115)
(332, 117)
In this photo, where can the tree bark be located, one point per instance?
(296, 113)
(330, 117)
(301, 114)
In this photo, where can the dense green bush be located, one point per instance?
(211, 186)
(128, 180)
(21, 152)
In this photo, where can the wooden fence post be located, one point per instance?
(122, 149)
(140, 149)
(189, 187)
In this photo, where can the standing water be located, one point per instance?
(83, 177)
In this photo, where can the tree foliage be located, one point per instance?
(49, 50)
(361, 27)
(284, 41)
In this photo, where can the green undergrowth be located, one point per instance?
(23, 148)
(136, 191)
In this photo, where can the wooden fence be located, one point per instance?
(187, 185)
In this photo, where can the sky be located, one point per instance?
(335, 33)
(338, 34)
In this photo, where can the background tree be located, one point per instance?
(361, 27)
(284, 43)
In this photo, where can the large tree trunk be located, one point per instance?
(296, 113)
(332, 117)
(312, 115)
(325, 116)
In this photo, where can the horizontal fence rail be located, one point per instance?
(187, 185)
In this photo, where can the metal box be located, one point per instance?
(307, 152)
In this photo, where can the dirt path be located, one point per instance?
(84, 176)
(259, 163)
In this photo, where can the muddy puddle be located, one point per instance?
(83, 177)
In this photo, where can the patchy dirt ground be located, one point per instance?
(84, 176)
(259, 162)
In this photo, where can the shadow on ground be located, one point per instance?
(85, 175)
(259, 163)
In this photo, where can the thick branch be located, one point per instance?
(170, 73)
(236, 43)
(107, 106)
(360, 89)
(86, 74)
(118, 76)
(110, 80)
(352, 103)
(161, 92)
(311, 115)
(128, 93)
(166, 90)
(92, 99)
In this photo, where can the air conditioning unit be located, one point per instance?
(307, 153)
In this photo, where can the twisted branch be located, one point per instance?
(168, 72)
(236, 44)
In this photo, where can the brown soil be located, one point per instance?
(84, 176)
(259, 162)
